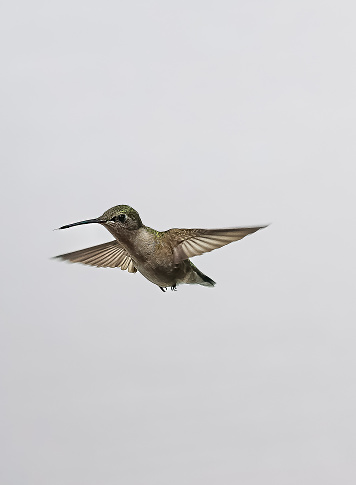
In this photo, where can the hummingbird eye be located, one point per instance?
(120, 218)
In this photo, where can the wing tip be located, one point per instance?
(60, 256)
(257, 228)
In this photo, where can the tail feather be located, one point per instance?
(203, 279)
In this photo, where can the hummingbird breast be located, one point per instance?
(152, 254)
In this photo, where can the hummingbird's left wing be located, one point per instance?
(107, 255)
(193, 242)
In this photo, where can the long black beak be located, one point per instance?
(89, 221)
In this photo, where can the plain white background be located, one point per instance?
(197, 114)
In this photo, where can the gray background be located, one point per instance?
(198, 114)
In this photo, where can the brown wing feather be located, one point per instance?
(193, 242)
(107, 255)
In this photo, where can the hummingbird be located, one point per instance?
(161, 257)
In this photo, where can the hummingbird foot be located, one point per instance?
(174, 287)
(163, 289)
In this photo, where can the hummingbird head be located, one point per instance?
(120, 217)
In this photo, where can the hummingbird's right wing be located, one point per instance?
(193, 242)
(107, 255)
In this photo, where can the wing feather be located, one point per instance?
(193, 242)
(107, 255)
(131, 268)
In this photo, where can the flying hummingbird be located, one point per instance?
(161, 257)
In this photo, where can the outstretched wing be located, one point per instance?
(107, 255)
(193, 242)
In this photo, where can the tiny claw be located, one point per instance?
(163, 289)
(174, 287)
